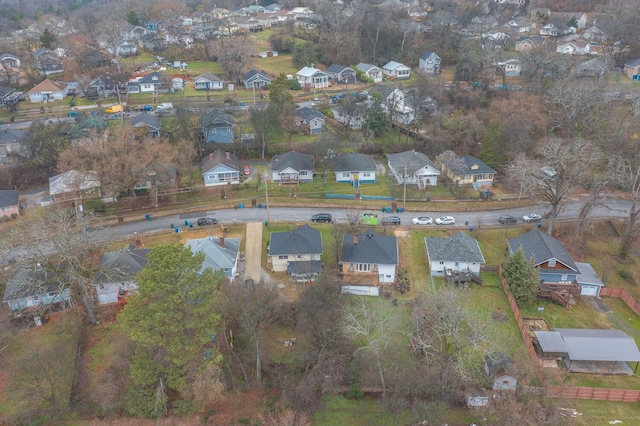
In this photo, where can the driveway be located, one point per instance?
(597, 304)
(253, 252)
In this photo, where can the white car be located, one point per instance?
(531, 217)
(422, 220)
(445, 220)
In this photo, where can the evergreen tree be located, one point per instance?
(522, 276)
(47, 39)
(171, 320)
(493, 151)
(133, 18)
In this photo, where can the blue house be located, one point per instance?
(549, 255)
(217, 127)
(35, 289)
(220, 168)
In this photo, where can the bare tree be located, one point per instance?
(561, 167)
(373, 324)
(627, 175)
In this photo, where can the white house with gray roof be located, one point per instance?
(354, 168)
(413, 168)
(149, 123)
(457, 253)
(429, 62)
(117, 271)
(220, 253)
(468, 170)
(310, 120)
(396, 70)
(297, 252)
(341, 74)
(220, 168)
(369, 258)
(371, 71)
(208, 81)
(292, 167)
(312, 78)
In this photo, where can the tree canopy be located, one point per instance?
(522, 277)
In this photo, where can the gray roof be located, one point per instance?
(335, 68)
(497, 364)
(217, 117)
(587, 275)
(541, 247)
(413, 161)
(474, 166)
(146, 119)
(590, 344)
(457, 248)
(632, 64)
(308, 114)
(304, 240)
(8, 198)
(426, 54)
(208, 76)
(149, 78)
(250, 74)
(121, 265)
(216, 257)
(29, 282)
(354, 162)
(370, 248)
(296, 160)
(366, 67)
(220, 157)
(8, 136)
(305, 267)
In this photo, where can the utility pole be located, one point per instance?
(266, 191)
(404, 182)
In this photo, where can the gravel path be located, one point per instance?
(253, 251)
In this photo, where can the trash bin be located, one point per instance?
(266, 223)
(171, 226)
(241, 205)
(471, 228)
(186, 222)
(235, 206)
(401, 209)
(176, 229)
(466, 222)
(190, 224)
(147, 216)
(539, 225)
(384, 209)
(259, 205)
(388, 209)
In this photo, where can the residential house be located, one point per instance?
(511, 67)
(341, 74)
(354, 168)
(47, 62)
(371, 71)
(150, 83)
(500, 368)
(9, 203)
(468, 170)
(220, 253)
(351, 115)
(518, 25)
(590, 351)
(117, 271)
(208, 81)
(548, 254)
(429, 63)
(103, 86)
(220, 168)
(527, 44)
(33, 290)
(368, 259)
(255, 79)
(126, 49)
(297, 252)
(594, 67)
(588, 280)
(310, 120)
(152, 42)
(73, 184)
(150, 124)
(395, 104)
(594, 34)
(413, 168)
(292, 167)
(457, 253)
(266, 20)
(574, 47)
(91, 58)
(312, 78)
(576, 19)
(88, 131)
(13, 61)
(632, 69)
(218, 127)
(396, 70)
(557, 29)
(154, 26)
(13, 145)
(9, 96)
(48, 91)
(157, 175)
(248, 24)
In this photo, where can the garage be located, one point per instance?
(590, 283)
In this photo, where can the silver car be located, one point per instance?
(445, 220)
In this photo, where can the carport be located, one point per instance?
(591, 351)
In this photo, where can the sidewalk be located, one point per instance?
(253, 252)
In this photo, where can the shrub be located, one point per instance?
(625, 275)
(14, 216)
(184, 407)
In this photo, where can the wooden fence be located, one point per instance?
(598, 394)
(622, 294)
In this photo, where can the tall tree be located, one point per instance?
(373, 325)
(522, 276)
(279, 94)
(493, 152)
(627, 175)
(264, 119)
(171, 320)
(47, 39)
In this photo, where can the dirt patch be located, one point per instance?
(536, 324)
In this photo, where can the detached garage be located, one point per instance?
(590, 283)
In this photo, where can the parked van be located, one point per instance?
(115, 108)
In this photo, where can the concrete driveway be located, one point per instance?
(597, 304)
(253, 251)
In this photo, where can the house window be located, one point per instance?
(552, 263)
(366, 174)
(345, 174)
(441, 262)
(457, 264)
(388, 276)
(303, 172)
(283, 257)
(51, 293)
(299, 256)
(363, 267)
(564, 278)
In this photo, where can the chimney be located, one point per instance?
(228, 155)
(222, 242)
(211, 156)
(355, 239)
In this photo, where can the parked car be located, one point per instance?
(445, 220)
(246, 169)
(507, 219)
(74, 114)
(143, 108)
(204, 221)
(322, 217)
(531, 217)
(422, 220)
(391, 220)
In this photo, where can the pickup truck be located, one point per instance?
(143, 108)
(165, 106)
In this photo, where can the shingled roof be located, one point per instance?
(304, 240)
(459, 247)
(369, 248)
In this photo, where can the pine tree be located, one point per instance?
(522, 277)
(47, 39)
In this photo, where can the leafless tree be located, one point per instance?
(264, 119)
(627, 175)
(374, 325)
(235, 56)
